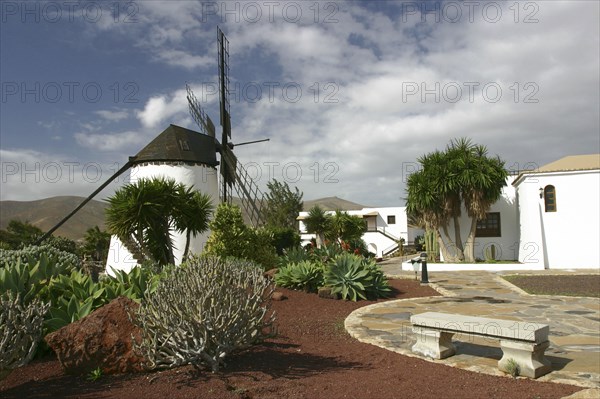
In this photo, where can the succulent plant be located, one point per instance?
(20, 330)
(354, 277)
(61, 261)
(202, 312)
(305, 275)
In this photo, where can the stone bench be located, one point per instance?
(525, 343)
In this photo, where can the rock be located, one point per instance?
(101, 339)
(591, 393)
(271, 273)
(325, 292)
(278, 296)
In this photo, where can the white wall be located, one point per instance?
(376, 242)
(569, 237)
(203, 178)
(507, 245)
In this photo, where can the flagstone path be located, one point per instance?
(574, 322)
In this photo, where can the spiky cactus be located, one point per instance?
(431, 245)
(203, 312)
(490, 253)
(20, 330)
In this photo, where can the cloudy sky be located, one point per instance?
(350, 93)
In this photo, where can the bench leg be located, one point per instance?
(432, 343)
(529, 357)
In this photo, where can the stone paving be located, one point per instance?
(574, 322)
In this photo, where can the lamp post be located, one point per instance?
(415, 264)
(424, 274)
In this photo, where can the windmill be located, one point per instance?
(189, 157)
(233, 175)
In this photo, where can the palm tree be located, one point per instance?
(140, 214)
(192, 214)
(462, 174)
(345, 227)
(317, 222)
(97, 243)
(481, 179)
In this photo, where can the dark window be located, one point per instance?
(490, 226)
(391, 219)
(550, 199)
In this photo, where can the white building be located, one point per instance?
(181, 154)
(499, 229)
(547, 218)
(385, 226)
(559, 214)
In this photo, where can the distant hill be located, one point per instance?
(45, 213)
(333, 203)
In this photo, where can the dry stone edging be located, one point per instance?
(375, 325)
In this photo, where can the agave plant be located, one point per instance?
(355, 277)
(347, 276)
(293, 255)
(303, 275)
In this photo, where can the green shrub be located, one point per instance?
(354, 277)
(283, 238)
(63, 244)
(72, 297)
(230, 237)
(303, 275)
(378, 287)
(293, 255)
(326, 253)
(202, 312)
(136, 285)
(20, 330)
(61, 259)
(30, 278)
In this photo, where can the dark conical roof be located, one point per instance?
(178, 144)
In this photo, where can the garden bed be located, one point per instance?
(567, 285)
(312, 357)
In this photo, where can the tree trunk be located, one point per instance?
(320, 239)
(470, 246)
(458, 240)
(134, 249)
(448, 257)
(187, 246)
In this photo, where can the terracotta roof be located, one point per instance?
(573, 162)
(570, 163)
(178, 144)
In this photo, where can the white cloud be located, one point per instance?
(28, 175)
(113, 115)
(161, 108)
(110, 142)
(376, 130)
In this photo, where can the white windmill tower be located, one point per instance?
(185, 156)
(190, 157)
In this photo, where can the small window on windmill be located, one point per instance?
(183, 144)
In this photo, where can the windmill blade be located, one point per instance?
(235, 175)
(224, 84)
(202, 120)
(228, 166)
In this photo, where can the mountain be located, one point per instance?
(333, 203)
(45, 213)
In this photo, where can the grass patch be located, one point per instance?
(564, 285)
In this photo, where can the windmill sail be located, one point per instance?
(224, 85)
(233, 175)
(246, 189)
(202, 120)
